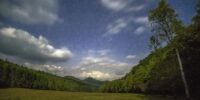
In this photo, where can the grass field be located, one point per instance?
(29, 94)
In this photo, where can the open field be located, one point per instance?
(30, 94)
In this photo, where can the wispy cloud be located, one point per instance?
(117, 26)
(126, 6)
(102, 52)
(116, 5)
(140, 30)
(140, 24)
(50, 68)
(130, 57)
(143, 23)
(135, 8)
(141, 20)
(31, 11)
(22, 44)
(122, 5)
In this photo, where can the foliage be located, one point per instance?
(159, 72)
(13, 75)
(94, 82)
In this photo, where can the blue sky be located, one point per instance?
(103, 39)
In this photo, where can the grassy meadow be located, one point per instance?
(30, 94)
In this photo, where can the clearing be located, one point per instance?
(31, 94)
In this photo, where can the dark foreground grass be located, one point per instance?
(30, 94)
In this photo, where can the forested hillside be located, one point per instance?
(159, 73)
(94, 82)
(13, 75)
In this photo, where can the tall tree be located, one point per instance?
(165, 24)
(196, 19)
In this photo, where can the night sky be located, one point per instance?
(102, 39)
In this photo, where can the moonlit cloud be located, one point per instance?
(130, 57)
(53, 68)
(117, 26)
(141, 20)
(102, 68)
(122, 24)
(115, 4)
(144, 24)
(30, 11)
(98, 67)
(140, 30)
(135, 8)
(20, 43)
(122, 5)
(96, 74)
(102, 52)
(50, 68)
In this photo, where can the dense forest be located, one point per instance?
(159, 73)
(94, 82)
(13, 75)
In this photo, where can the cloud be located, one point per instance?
(54, 69)
(30, 11)
(115, 4)
(140, 30)
(102, 52)
(123, 5)
(130, 57)
(144, 24)
(117, 26)
(95, 74)
(121, 24)
(141, 20)
(132, 6)
(98, 67)
(22, 44)
(135, 8)
(101, 68)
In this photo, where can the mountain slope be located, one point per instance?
(94, 82)
(159, 72)
(13, 75)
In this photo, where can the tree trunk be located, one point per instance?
(187, 93)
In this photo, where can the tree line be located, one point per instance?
(13, 75)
